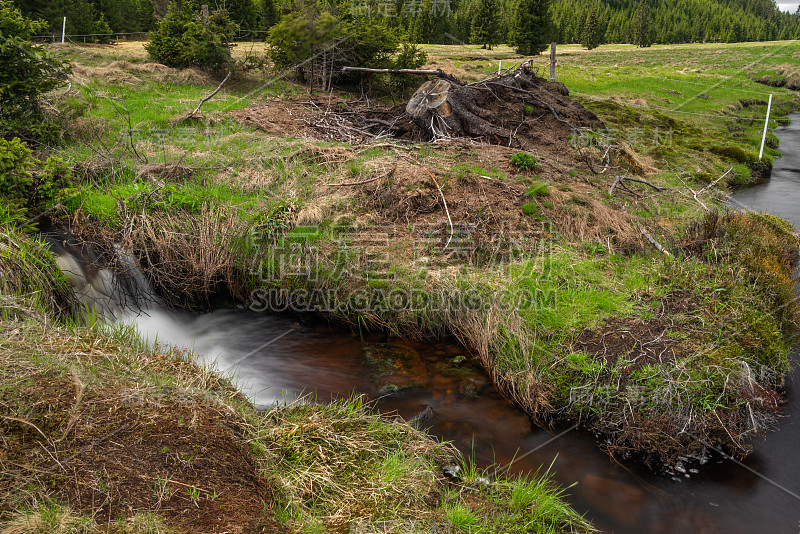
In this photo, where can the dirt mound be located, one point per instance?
(518, 109)
(122, 450)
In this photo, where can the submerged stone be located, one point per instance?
(393, 368)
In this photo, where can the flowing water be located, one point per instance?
(273, 358)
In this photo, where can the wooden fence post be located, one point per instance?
(552, 62)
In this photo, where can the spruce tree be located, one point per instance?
(269, 14)
(591, 36)
(531, 26)
(486, 24)
(641, 31)
(580, 27)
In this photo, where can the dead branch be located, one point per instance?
(415, 72)
(441, 193)
(209, 97)
(619, 179)
(715, 182)
(370, 180)
(654, 242)
(696, 194)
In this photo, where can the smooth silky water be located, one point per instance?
(274, 359)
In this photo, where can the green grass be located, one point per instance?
(322, 465)
(244, 195)
(531, 209)
(538, 190)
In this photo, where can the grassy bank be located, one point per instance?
(102, 434)
(542, 272)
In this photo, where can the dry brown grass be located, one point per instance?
(583, 217)
(638, 164)
(125, 73)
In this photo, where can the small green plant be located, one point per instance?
(530, 209)
(161, 488)
(461, 517)
(594, 248)
(538, 190)
(524, 161)
(194, 495)
(355, 168)
(25, 187)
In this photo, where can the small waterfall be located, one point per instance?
(107, 284)
(111, 286)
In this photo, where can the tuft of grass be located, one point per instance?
(49, 518)
(30, 280)
(537, 190)
(531, 209)
(461, 517)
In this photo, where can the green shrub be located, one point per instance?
(524, 161)
(182, 39)
(16, 159)
(26, 73)
(309, 41)
(22, 186)
(102, 29)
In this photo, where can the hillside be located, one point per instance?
(680, 21)
(453, 21)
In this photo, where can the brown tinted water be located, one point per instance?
(274, 358)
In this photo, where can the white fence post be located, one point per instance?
(766, 125)
(63, 29)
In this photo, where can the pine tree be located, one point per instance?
(242, 12)
(531, 27)
(591, 37)
(486, 24)
(269, 15)
(641, 31)
(579, 28)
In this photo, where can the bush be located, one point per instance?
(318, 45)
(26, 73)
(23, 188)
(16, 159)
(182, 39)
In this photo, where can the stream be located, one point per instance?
(273, 358)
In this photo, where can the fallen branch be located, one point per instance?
(654, 242)
(362, 182)
(417, 72)
(619, 179)
(715, 182)
(696, 194)
(209, 97)
(441, 193)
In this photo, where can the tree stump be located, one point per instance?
(447, 109)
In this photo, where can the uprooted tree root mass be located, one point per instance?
(518, 109)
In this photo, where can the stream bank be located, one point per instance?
(720, 495)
